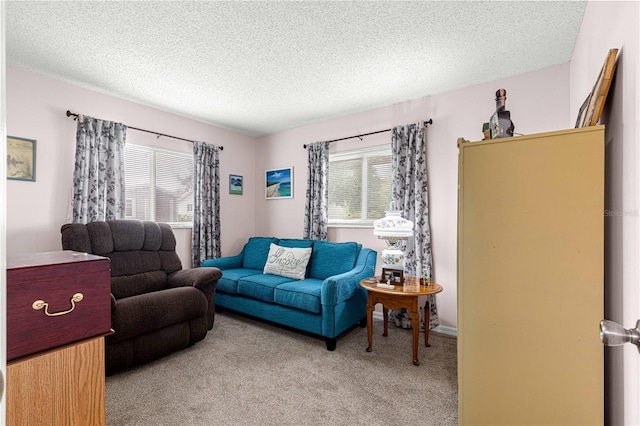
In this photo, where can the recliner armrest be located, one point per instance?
(204, 279)
(199, 278)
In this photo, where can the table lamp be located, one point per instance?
(393, 228)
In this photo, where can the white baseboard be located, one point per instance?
(442, 329)
(445, 329)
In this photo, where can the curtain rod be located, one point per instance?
(75, 117)
(430, 121)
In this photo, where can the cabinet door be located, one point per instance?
(64, 386)
(530, 279)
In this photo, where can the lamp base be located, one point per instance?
(392, 258)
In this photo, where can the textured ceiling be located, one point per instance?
(262, 67)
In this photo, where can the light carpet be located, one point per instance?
(246, 372)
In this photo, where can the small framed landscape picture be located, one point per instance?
(278, 183)
(21, 159)
(235, 184)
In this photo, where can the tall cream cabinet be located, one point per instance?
(530, 279)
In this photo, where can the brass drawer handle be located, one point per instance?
(39, 304)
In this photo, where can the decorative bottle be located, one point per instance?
(500, 122)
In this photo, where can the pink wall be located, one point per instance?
(36, 210)
(608, 25)
(36, 107)
(538, 102)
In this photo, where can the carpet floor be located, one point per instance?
(246, 372)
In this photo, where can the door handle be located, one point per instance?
(613, 334)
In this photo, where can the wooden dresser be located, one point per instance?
(530, 279)
(58, 312)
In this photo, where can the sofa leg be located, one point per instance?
(363, 322)
(331, 344)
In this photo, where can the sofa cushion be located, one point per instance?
(256, 251)
(330, 259)
(303, 294)
(295, 242)
(287, 261)
(260, 286)
(229, 281)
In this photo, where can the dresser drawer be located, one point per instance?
(56, 298)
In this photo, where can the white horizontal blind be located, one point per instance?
(137, 175)
(359, 186)
(159, 185)
(174, 187)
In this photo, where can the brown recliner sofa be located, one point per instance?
(156, 306)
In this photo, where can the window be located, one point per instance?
(359, 186)
(159, 185)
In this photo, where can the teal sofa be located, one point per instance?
(327, 302)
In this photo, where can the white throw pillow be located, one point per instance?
(287, 261)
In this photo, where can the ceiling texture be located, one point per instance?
(258, 68)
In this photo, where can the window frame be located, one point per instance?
(152, 182)
(363, 153)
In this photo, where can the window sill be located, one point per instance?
(178, 225)
(363, 224)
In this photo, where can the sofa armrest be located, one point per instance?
(339, 288)
(205, 280)
(229, 262)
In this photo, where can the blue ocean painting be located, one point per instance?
(278, 183)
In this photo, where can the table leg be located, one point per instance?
(370, 325)
(385, 318)
(415, 320)
(427, 317)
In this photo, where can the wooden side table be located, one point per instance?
(400, 296)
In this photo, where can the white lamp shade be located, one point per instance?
(393, 225)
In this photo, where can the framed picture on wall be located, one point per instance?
(278, 183)
(235, 184)
(21, 159)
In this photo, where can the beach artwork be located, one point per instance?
(279, 183)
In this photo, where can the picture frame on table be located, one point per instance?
(21, 159)
(278, 183)
(235, 184)
(395, 276)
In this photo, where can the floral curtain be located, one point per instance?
(98, 176)
(206, 203)
(410, 195)
(316, 211)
